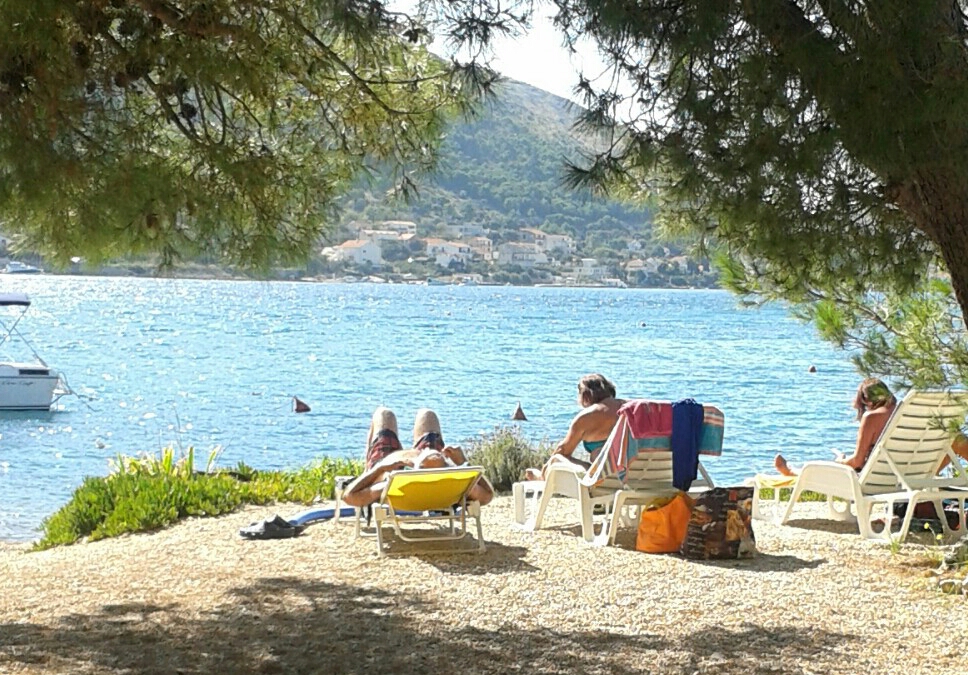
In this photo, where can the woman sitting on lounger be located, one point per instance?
(590, 427)
(385, 454)
(874, 403)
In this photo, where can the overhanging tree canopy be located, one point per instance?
(825, 139)
(226, 127)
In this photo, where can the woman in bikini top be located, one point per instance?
(591, 427)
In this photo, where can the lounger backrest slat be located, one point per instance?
(650, 467)
(652, 470)
(913, 444)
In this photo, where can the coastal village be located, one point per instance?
(395, 251)
(470, 254)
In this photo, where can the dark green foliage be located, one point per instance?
(150, 494)
(225, 128)
(505, 454)
(770, 149)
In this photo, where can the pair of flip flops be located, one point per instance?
(276, 527)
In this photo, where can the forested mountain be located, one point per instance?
(504, 170)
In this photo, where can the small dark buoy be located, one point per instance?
(641, 324)
(812, 369)
(519, 414)
(300, 406)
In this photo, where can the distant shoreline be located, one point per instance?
(219, 274)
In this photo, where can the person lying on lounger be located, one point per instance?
(591, 426)
(874, 403)
(385, 454)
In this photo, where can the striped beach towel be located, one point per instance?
(622, 447)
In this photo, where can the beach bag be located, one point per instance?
(662, 527)
(721, 525)
(925, 514)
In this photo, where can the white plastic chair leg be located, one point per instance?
(611, 522)
(905, 524)
(794, 497)
(841, 514)
(379, 539)
(587, 524)
(517, 492)
(520, 492)
(543, 503)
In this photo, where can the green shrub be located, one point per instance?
(152, 492)
(505, 455)
(785, 493)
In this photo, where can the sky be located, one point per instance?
(539, 59)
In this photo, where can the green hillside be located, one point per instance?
(504, 170)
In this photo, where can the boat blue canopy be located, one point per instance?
(14, 299)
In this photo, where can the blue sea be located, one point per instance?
(193, 363)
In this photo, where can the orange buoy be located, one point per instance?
(300, 406)
(519, 414)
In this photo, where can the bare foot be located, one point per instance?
(532, 474)
(782, 466)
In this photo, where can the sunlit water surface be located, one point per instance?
(206, 363)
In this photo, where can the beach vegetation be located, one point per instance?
(505, 454)
(766, 494)
(150, 492)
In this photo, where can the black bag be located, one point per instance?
(925, 514)
(721, 525)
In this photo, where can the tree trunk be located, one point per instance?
(938, 204)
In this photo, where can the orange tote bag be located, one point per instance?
(662, 529)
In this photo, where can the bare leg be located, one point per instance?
(426, 422)
(542, 473)
(782, 466)
(383, 418)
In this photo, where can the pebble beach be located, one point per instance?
(197, 598)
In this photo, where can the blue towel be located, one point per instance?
(687, 417)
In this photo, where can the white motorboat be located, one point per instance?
(25, 385)
(17, 267)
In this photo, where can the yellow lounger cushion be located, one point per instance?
(765, 481)
(420, 491)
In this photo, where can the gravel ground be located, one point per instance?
(197, 598)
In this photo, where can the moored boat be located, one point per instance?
(17, 267)
(23, 385)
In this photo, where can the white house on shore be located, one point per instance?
(516, 253)
(547, 243)
(446, 252)
(379, 235)
(647, 266)
(590, 270)
(357, 251)
(398, 226)
(482, 246)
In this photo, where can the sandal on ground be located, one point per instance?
(272, 528)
